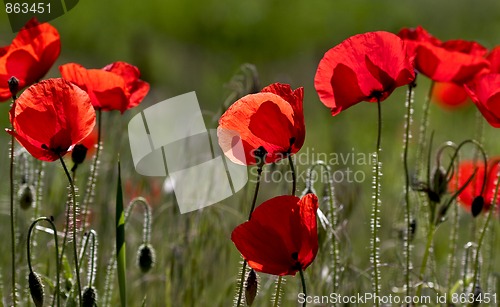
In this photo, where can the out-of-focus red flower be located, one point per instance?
(272, 119)
(455, 61)
(494, 58)
(114, 87)
(29, 57)
(449, 95)
(364, 67)
(484, 91)
(50, 117)
(281, 238)
(474, 188)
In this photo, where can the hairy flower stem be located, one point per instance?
(254, 201)
(428, 249)
(407, 239)
(423, 130)
(303, 280)
(75, 251)
(278, 291)
(375, 220)
(58, 269)
(12, 223)
(93, 175)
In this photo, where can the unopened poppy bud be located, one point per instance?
(146, 257)
(477, 205)
(251, 287)
(79, 153)
(36, 289)
(89, 297)
(26, 196)
(13, 86)
(439, 182)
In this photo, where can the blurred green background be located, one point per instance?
(187, 45)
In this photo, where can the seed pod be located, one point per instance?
(146, 257)
(251, 287)
(477, 205)
(36, 289)
(26, 196)
(89, 298)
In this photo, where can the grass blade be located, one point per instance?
(120, 241)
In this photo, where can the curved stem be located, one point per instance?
(303, 280)
(92, 256)
(75, 252)
(12, 223)
(375, 223)
(147, 216)
(244, 266)
(49, 220)
(294, 177)
(407, 240)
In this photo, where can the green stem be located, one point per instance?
(423, 130)
(407, 239)
(93, 175)
(427, 252)
(294, 177)
(12, 223)
(58, 269)
(254, 201)
(303, 280)
(278, 290)
(375, 223)
(75, 251)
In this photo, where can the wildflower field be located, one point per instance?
(357, 141)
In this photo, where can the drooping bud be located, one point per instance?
(439, 183)
(26, 196)
(36, 289)
(251, 286)
(13, 86)
(89, 298)
(78, 155)
(477, 205)
(146, 257)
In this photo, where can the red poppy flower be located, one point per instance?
(281, 238)
(115, 87)
(50, 117)
(475, 187)
(30, 55)
(494, 58)
(484, 91)
(272, 119)
(365, 67)
(455, 61)
(449, 95)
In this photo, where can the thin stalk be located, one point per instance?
(93, 175)
(423, 129)
(278, 291)
(58, 269)
(407, 241)
(75, 251)
(303, 280)
(427, 252)
(375, 223)
(244, 266)
(12, 223)
(294, 177)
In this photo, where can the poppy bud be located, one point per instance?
(251, 287)
(13, 86)
(146, 257)
(413, 228)
(89, 297)
(26, 196)
(36, 289)
(439, 182)
(477, 205)
(79, 153)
